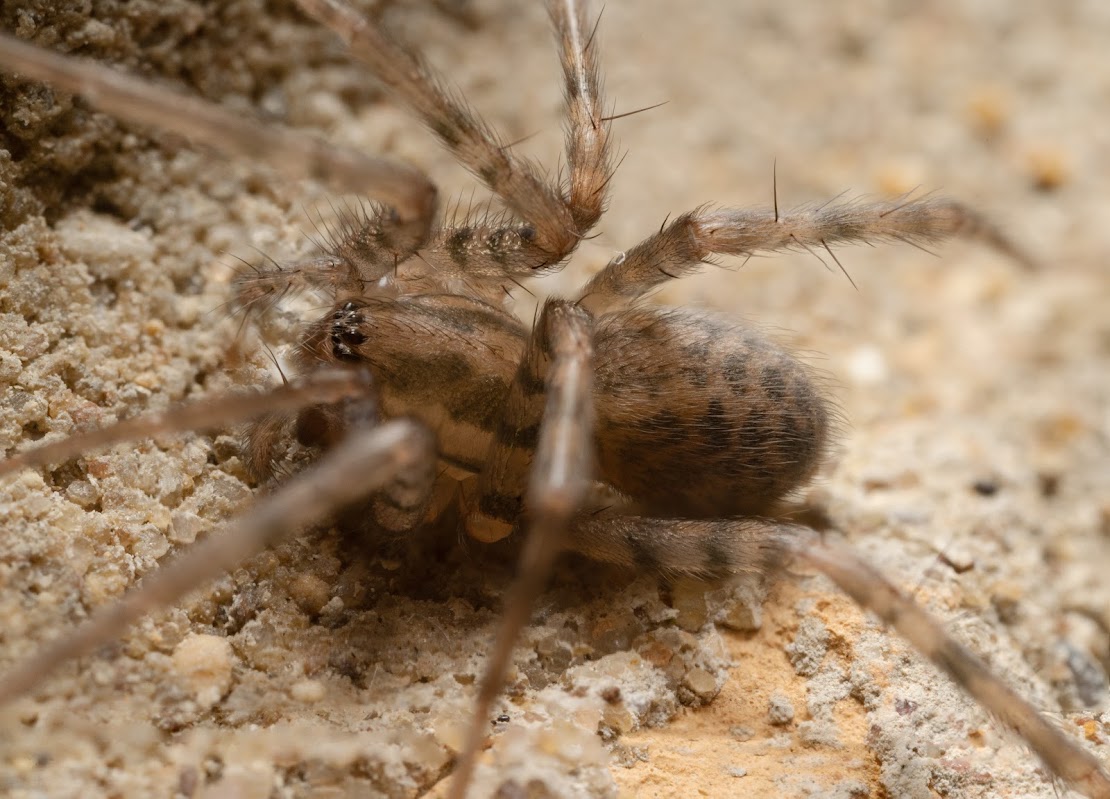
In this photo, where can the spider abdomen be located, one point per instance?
(726, 420)
(698, 416)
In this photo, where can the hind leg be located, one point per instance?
(767, 546)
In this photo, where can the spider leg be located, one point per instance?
(545, 223)
(499, 496)
(370, 245)
(326, 386)
(589, 155)
(766, 546)
(559, 481)
(696, 547)
(463, 132)
(683, 246)
(291, 153)
(1064, 758)
(365, 244)
(395, 461)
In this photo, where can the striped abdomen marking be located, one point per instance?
(700, 417)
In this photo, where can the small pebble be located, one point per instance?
(989, 110)
(1048, 167)
(702, 684)
(205, 663)
(310, 592)
(780, 709)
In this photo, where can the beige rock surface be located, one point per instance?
(974, 466)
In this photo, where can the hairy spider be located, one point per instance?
(793, 423)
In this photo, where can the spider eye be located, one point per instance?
(346, 333)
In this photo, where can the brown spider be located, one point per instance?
(452, 357)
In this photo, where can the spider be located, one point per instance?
(347, 317)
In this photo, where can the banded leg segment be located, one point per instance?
(545, 223)
(369, 460)
(464, 133)
(560, 478)
(682, 247)
(589, 154)
(696, 547)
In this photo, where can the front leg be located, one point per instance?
(494, 506)
(376, 459)
(692, 240)
(560, 357)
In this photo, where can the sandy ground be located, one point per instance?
(974, 465)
